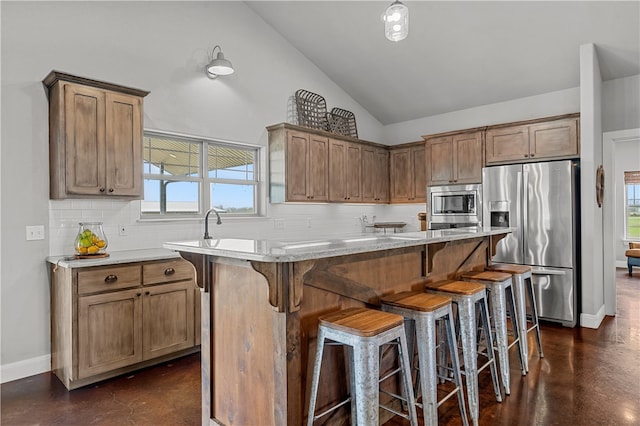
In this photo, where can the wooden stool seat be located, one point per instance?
(417, 301)
(509, 268)
(361, 321)
(456, 287)
(492, 276)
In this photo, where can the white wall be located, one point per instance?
(592, 287)
(620, 105)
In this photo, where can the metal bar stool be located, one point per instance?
(363, 331)
(470, 299)
(523, 290)
(499, 288)
(421, 312)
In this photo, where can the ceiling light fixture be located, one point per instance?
(396, 21)
(219, 65)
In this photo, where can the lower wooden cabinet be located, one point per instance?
(110, 320)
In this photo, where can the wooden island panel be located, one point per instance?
(260, 323)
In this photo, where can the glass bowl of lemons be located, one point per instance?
(91, 239)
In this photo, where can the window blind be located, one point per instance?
(632, 177)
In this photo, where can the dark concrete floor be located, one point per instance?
(587, 377)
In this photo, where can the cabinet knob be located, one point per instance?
(110, 189)
(526, 155)
(138, 294)
(101, 189)
(169, 271)
(110, 279)
(147, 293)
(532, 155)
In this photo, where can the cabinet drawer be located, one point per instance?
(162, 272)
(112, 278)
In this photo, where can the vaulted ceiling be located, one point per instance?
(458, 54)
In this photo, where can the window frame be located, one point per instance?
(204, 194)
(631, 178)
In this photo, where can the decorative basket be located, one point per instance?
(312, 110)
(343, 122)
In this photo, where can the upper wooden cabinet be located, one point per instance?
(345, 171)
(533, 141)
(407, 170)
(95, 138)
(375, 175)
(454, 158)
(299, 166)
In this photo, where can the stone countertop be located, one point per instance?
(299, 250)
(115, 257)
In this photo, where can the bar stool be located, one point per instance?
(523, 290)
(421, 312)
(363, 331)
(470, 299)
(499, 288)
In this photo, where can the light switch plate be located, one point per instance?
(35, 232)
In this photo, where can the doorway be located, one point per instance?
(618, 154)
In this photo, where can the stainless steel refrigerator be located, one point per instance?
(541, 202)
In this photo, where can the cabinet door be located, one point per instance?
(507, 144)
(109, 331)
(318, 171)
(84, 109)
(381, 178)
(168, 318)
(124, 145)
(369, 168)
(400, 165)
(554, 139)
(440, 161)
(338, 170)
(419, 166)
(354, 172)
(468, 158)
(297, 164)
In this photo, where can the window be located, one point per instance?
(184, 177)
(632, 204)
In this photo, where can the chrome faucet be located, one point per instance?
(206, 222)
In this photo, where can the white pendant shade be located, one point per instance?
(396, 21)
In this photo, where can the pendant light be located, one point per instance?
(396, 21)
(219, 65)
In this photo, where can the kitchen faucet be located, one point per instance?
(206, 222)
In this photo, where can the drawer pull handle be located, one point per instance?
(111, 279)
(169, 271)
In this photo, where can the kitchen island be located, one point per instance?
(261, 300)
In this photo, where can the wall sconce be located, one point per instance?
(396, 21)
(219, 65)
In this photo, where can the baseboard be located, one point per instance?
(592, 321)
(621, 264)
(25, 368)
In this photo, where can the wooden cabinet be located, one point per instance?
(533, 141)
(95, 138)
(113, 319)
(345, 171)
(299, 166)
(375, 175)
(407, 174)
(454, 158)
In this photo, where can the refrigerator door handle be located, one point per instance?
(522, 195)
(541, 271)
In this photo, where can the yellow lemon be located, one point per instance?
(82, 250)
(100, 243)
(92, 250)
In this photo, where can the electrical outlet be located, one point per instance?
(278, 223)
(122, 230)
(35, 232)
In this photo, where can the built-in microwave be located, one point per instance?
(454, 206)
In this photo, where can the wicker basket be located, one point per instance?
(343, 122)
(312, 110)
